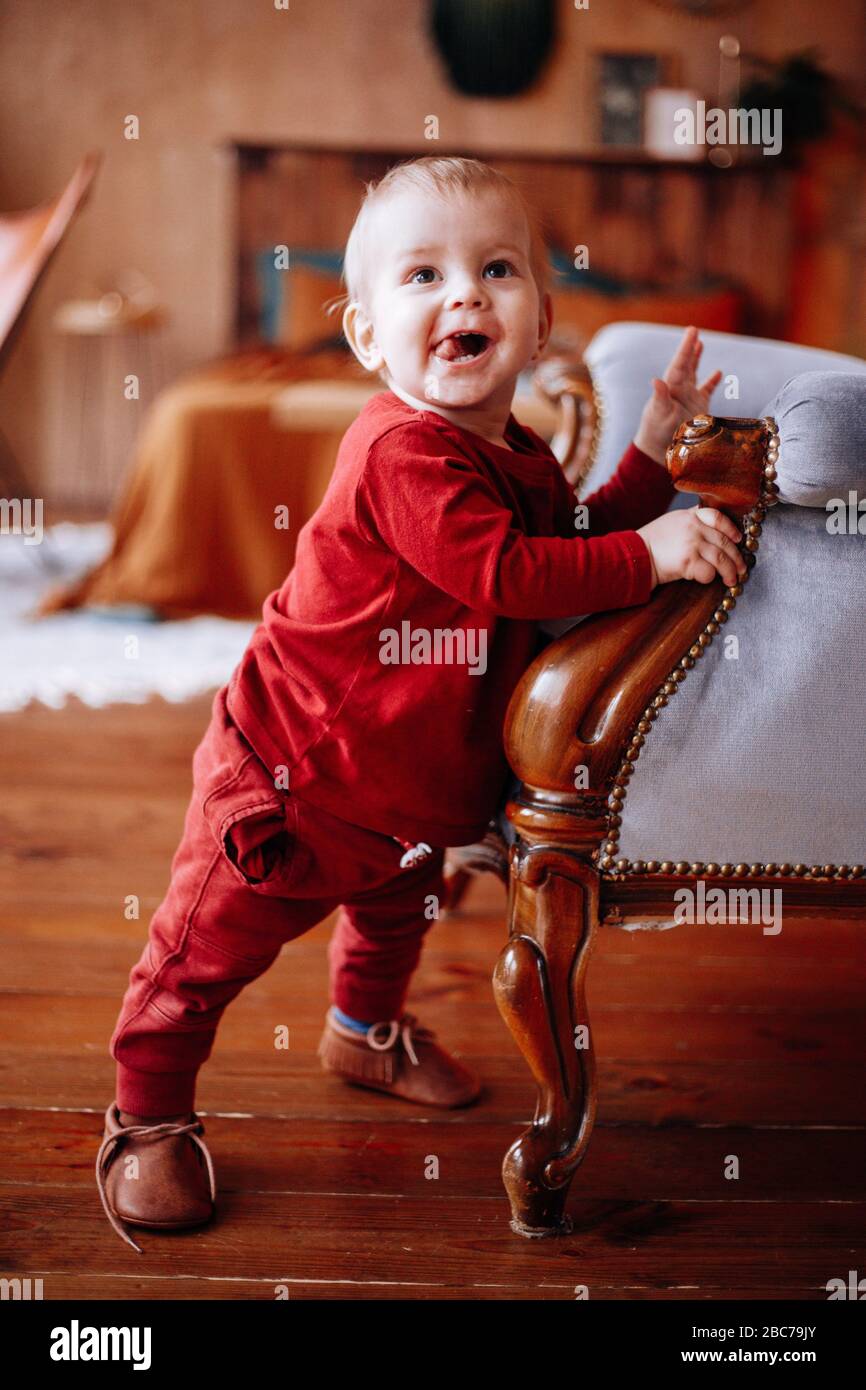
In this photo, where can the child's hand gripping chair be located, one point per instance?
(710, 739)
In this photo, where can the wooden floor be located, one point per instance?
(711, 1042)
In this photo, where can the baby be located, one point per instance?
(361, 732)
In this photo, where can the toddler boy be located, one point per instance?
(361, 732)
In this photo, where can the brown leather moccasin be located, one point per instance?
(170, 1187)
(398, 1056)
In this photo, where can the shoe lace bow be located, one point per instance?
(406, 1029)
(108, 1151)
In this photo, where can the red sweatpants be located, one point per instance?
(257, 867)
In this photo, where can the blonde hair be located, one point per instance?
(440, 175)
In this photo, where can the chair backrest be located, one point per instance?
(623, 357)
(29, 239)
(761, 757)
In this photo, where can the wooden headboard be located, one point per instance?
(663, 223)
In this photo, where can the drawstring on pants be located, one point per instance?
(414, 854)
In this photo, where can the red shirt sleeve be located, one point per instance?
(440, 514)
(639, 491)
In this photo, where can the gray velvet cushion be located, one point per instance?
(763, 757)
(822, 419)
(761, 754)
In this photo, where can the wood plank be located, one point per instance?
(459, 1006)
(665, 1093)
(795, 989)
(295, 992)
(97, 916)
(220, 1288)
(433, 1239)
(332, 1154)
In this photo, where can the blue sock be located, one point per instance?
(348, 1022)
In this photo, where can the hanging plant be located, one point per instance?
(806, 95)
(493, 48)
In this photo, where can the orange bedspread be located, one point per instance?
(195, 526)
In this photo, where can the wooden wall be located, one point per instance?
(334, 73)
(664, 224)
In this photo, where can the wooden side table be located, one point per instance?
(107, 342)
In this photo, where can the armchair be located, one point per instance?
(709, 741)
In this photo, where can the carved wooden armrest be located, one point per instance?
(566, 382)
(582, 711)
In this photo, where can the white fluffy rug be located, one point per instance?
(101, 656)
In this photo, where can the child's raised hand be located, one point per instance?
(697, 543)
(676, 397)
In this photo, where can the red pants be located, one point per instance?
(257, 867)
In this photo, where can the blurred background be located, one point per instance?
(170, 375)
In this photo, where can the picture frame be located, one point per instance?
(621, 81)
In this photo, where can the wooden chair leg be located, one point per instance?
(539, 983)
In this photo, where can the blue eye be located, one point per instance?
(504, 265)
(423, 270)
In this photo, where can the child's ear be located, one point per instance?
(545, 323)
(361, 337)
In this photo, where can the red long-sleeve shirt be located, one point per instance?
(426, 528)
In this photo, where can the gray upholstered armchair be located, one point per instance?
(704, 753)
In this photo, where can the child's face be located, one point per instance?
(440, 265)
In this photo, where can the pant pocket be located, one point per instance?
(252, 821)
(257, 842)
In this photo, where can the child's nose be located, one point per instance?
(469, 293)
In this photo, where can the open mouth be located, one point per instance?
(462, 347)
